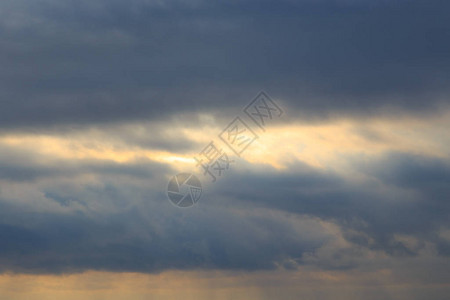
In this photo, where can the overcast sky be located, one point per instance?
(344, 196)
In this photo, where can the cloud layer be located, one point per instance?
(102, 102)
(65, 62)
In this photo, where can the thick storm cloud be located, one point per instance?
(76, 62)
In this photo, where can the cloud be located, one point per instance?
(101, 103)
(66, 63)
(117, 218)
(333, 198)
(395, 194)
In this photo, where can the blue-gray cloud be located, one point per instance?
(252, 220)
(66, 62)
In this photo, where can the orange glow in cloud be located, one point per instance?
(325, 145)
(304, 282)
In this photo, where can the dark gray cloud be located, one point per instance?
(149, 240)
(67, 62)
(403, 195)
(253, 219)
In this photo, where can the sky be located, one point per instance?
(342, 194)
